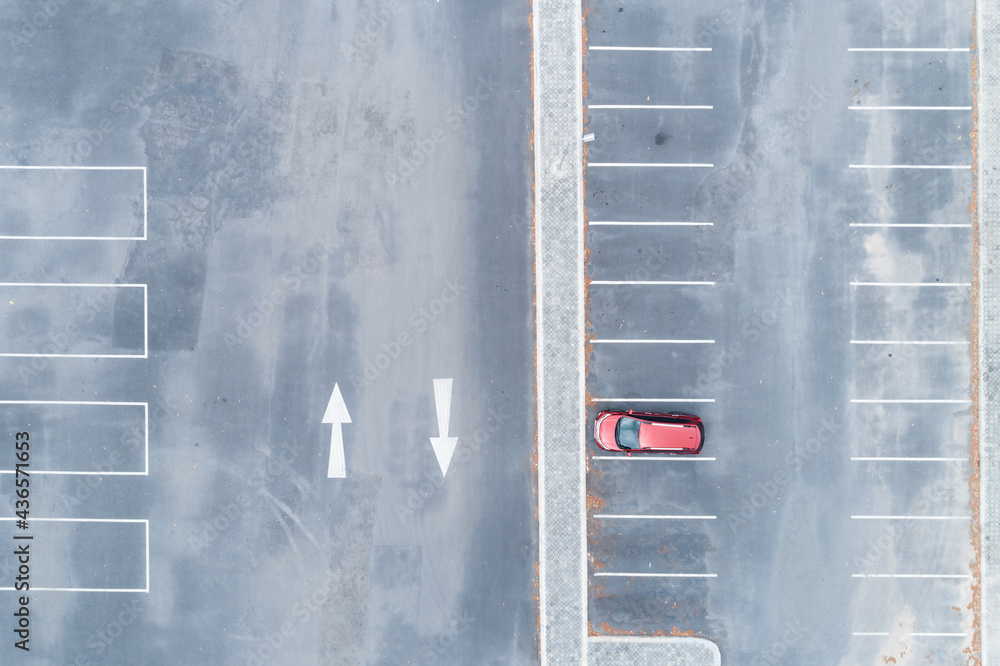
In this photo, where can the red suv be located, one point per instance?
(679, 434)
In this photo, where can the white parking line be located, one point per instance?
(603, 516)
(679, 165)
(911, 284)
(910, 166)
(910, 50)
(619, 223)
(145, 316)
(704, 107)
(144, 521)
(653, 282)
(914, 226)
(911, 575)
(906, 459)
(650, 342)
(909, 401)
(909, 108)
(632, 458)
(915, 634)
(911, 517)
(668, 165)
(652, 399)
(649, 48)
(655, 575)
(909, 342)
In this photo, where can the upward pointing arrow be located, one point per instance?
(444, 446)
(336, 413)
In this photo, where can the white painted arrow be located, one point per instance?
(336, 414)
(444, 446)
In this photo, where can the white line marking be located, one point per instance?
(623, 458)
(922, 634)
(914, 226)
(909, 342)
(144, 521)
(906, 459)
(603, 516)
(649, 48)
(911, 576)
(909, 108)
(145, 413)
(95, 238)
(652, 400)
(911, 50)
(651, 106)
(655, 575)
(910, 166)
(75, 168)
(651, 342)
(649, 224)
(934, 401)
(911, 517)
(653, 282)
(145, 206)
(66, 284)
(911, 284)
(679, 165)
(145, 319)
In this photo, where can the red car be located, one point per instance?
(679, 434)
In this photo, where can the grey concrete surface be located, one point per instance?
(988, 25)
(789, 513)
(338, 193)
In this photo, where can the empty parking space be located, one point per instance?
(72, 203)
(80, 437)
(83, 320)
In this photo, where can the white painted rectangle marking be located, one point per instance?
(667, 165)
(73, 203)
(910, 166)
(909, 108)
(911, 576)
(911, 518)
(907, 49)
(82, 437)
(909, 342)
(666, 107)
(915, 634)
(86, 311)
(651, 342)
(649, 48)
(617, 223)
(654, 282)
(909, 401)
(911, 284)
(614, 516)
(905, 459)
(40, 560)
(655, 575)
(911, 226)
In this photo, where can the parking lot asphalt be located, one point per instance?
(794, 264)
(293, 241)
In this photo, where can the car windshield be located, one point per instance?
(627, 433)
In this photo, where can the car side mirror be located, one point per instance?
(630, 411)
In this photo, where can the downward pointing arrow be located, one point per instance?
(336, 414)
(444, 446)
